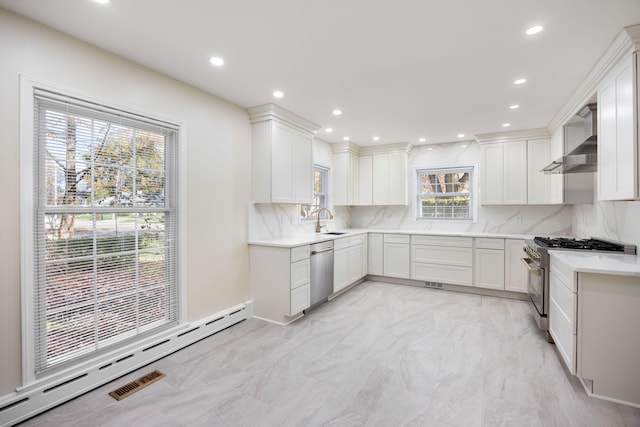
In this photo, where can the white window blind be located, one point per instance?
(445, 193)
(105, 228)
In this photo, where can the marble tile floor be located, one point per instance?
(379, 355)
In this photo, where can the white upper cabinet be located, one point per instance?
(365, 180)
(345, 174)
(617, 133)
(282, 156)
(388, 175)
(538, 184)
(510, 169)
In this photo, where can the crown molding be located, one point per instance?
(345, 147)
(622, 46)
(266, 112)
(512, 135)
(404, 147)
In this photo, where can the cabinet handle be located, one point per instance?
(532, 268)
(319, 252)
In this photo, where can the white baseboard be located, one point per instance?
(33, 399)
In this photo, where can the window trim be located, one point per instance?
(27, 88)
(474, 196)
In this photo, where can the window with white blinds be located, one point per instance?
(105, 228)
(445, 193)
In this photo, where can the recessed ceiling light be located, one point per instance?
(346, 138)
(461, 135)
(422, 139)
(506, 125)
(217, 61)
(514, 106)
(534, 30)
(337, 112)
(328, 130)
(519, 81)
(376, 138)
(278, 94)
(464, 145)
(430, 148)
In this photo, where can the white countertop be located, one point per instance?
(306, 239)
(599, 263)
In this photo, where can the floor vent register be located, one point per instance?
(136, 385)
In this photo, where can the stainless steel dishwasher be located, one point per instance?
(321, 273)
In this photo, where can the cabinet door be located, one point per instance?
(303, 168)
(352, 188)
(300, 299)
(300, 273)
(617, 150)
(355, 263)
(562, 318)
(515, 279)
(397, 260)
(380, 179)
(340, 269)
(397, 178)
(340, 178)
(365, 255)
(282, 160)
(489, 272)
(375, 254)
(538, 184)
(365, 180)
(492, 173)
(515, 173)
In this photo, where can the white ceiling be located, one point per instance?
(401, 69)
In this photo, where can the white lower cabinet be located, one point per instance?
(515, 272)
(442, 259)
(349, 260)
(280, 281)
(396, 257)
(376, 254)
(489, 262)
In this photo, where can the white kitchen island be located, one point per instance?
(594, 320)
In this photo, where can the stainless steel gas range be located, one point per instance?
(537, 262)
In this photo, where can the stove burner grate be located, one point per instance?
(584, 244)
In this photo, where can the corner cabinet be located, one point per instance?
(510, 168)
(282, 156)
(617, 132)
(280, 282)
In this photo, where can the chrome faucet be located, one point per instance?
(318, 212)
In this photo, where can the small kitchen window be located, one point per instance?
(445, 193)
(320, 197)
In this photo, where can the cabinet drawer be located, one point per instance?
(355, 240)
(397, 238)
(300, 273)
(340, 243)
(565, 300)
(561, 330)
(442, 254)
(300, 299)
(563, 272)
(463, 242)
(489, 243)
(453, 274)
(301, 252)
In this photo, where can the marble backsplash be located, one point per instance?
(278, 221)
(534, 220)
(619, 221)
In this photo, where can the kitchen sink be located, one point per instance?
(336, 233)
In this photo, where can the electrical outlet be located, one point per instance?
(518, 219)
(283, 219)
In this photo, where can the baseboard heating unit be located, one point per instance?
(33, 399)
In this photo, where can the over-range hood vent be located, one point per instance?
(584, 157)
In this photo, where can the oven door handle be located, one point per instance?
(531, 267)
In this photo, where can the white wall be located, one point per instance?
(218, 138)
(540, 220)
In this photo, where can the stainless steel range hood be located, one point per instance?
(584, 157)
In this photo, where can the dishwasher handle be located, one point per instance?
(321, 251)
